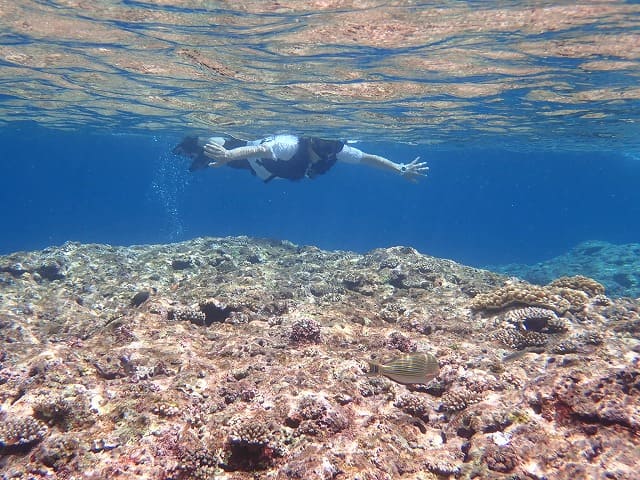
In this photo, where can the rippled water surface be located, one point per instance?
(517, 74)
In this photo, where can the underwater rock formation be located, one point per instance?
(236, 358)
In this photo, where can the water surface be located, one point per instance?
(526, 75)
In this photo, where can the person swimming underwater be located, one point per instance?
(286, 156)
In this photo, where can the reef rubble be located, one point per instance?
(238, 358)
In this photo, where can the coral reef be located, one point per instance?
(614, 267)
(64, 412)
(520, 294)
(16, 433)
(536, 319)
(317, 416)
(415, 406)
(234, 358)
(401, 342)
(562, 295)
(305, 330)
(459, 399)
(581, 283)
(251, 445)
(519, 339)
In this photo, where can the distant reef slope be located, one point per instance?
(617, 267)
(237, 358)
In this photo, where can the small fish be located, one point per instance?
(412, 368)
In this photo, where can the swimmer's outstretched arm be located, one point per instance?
(411, 171)
(222, 156)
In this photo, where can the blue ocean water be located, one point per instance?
(527, 113)
(477, 206)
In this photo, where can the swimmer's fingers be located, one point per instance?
(415, 169)
(417, 164)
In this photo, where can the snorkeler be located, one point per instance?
(286, 156)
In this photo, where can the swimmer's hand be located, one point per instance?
(217, 153)
(414, 170)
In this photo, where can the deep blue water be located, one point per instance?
(477, 206)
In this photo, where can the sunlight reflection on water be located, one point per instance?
(521, 74)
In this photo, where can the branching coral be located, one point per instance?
(207, 312)
(601, 300)
(375, 386)
(444, 462)
(250, 433)
(591, 338)
(57, 451)
(414, 405)
(199, 464)
(251, 445)
(458, 399)
(563, 347)
(55, 410)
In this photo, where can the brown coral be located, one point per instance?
(415, 406)
(20, 432)
(577, 298)
(305, 330)
(601, 300)
(581, 283)
(536, 319)
(57, 451)
(458, 399)
(315, 415)
(520, 339)
(400, 342)
(251, 445)
(188, 314)
(250, 433)
(564, 347)
(520, 294)
(500, 459)
(208, 311)
(199, 464)
(55, 410)
(444, 462)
